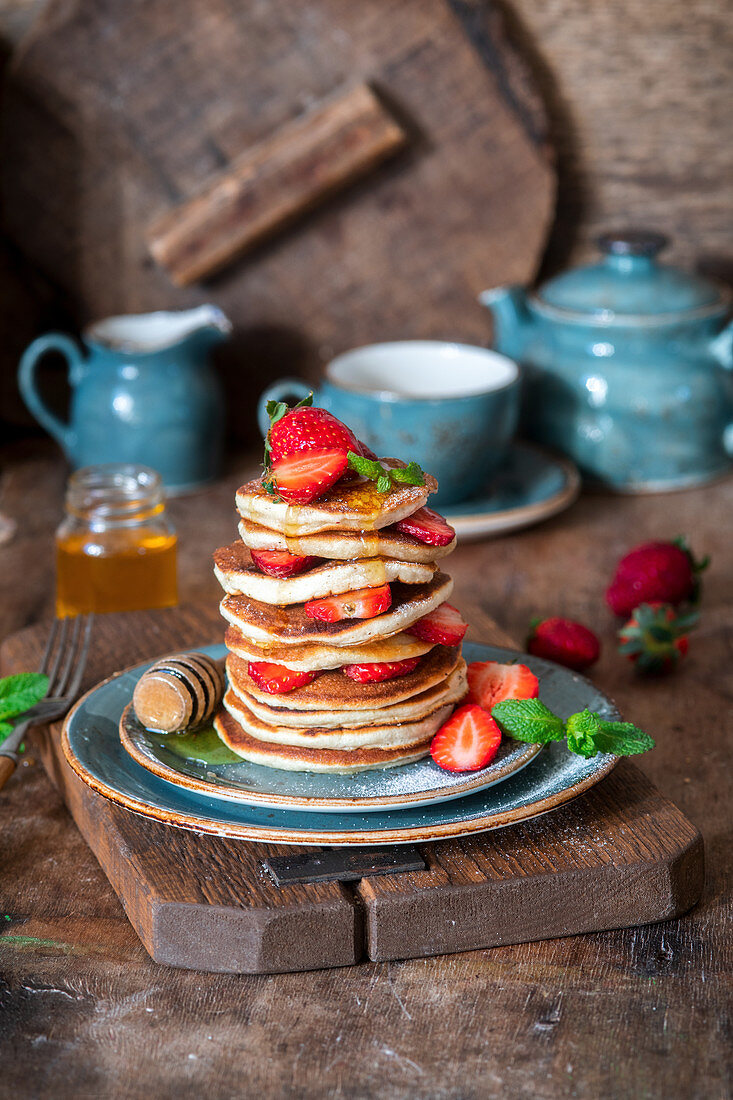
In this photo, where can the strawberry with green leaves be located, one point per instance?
(655, 637)
(307, 450)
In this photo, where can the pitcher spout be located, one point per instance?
(147, 333)
(508, 305)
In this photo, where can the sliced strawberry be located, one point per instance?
(362, 603)
(427, 526)
(490, 682)
(280, 563)
(277, 679)
(444, 626)
(385, 670)
(305, 475)
(309, 429)
(469, 740)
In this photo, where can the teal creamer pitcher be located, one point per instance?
(142, 391)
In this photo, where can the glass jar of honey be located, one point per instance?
(116, 548)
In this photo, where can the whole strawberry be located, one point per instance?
(659, 571)
(564, 641)
(655, 637)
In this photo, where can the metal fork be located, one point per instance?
(63, 661)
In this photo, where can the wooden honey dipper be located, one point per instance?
(179, 692)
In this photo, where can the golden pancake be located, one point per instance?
(267, 625)
(302, 759)
(348, 506)
(386, 735)
(451, 690)
(313, 658)
(344, 545)
(335, 691)
(239, 576)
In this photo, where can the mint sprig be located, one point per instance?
(276, 410)
(384, 476)
(17, 695)
(587, 733)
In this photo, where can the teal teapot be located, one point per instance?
(142, 391)
(628, 366)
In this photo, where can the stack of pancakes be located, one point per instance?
(334, 724)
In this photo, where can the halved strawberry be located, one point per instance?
(362, 603)
(444, 626)
(427, 526)
(469, 740)
(385, 670)
(490, 682)
(309, 429)
(277, 679)
(305, 475)
(280, 563)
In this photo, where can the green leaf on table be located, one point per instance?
(528, 720)
(21, 692)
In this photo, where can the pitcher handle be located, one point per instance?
(66, 346)
(282, 390)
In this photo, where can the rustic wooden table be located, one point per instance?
(638, 1013)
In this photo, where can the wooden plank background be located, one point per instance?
(639, 95)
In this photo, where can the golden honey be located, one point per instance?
(116, 549)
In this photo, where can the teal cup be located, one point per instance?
(452, 408)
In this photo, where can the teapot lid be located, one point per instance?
(629, 281)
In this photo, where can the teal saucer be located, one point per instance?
(92, 747)
(533, 485)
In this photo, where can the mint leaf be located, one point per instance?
(6, 728)
(383, 475)
(583, 729)
(21, 692)
(367, 467)
(528, 720)
(622, 738)
(411, 475)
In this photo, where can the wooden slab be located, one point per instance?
(119, 116)
(620, 855)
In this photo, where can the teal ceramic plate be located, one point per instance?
(532, 486)
(200, 762)
(92, 747)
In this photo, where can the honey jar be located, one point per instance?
(115, 548)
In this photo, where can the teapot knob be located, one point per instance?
(632, 242)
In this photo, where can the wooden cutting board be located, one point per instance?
(329, 173)
(618, 856)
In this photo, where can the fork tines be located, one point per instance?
(66, 654)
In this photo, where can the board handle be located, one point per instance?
(276, 181)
